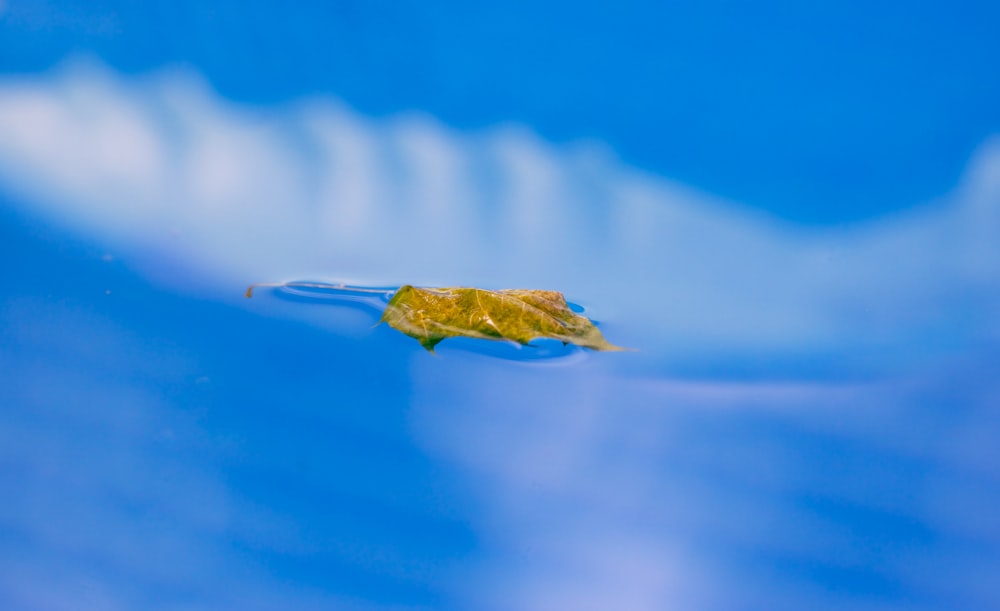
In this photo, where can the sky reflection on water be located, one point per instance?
(809, 421)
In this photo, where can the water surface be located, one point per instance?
(808, 420)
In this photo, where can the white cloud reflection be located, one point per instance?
(314, 190)
(597, 491)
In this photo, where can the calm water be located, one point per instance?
(809, 420)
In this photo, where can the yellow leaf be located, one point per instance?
(430, 315)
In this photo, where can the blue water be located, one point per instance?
(165, 451)
(177, 452)
(797, 234)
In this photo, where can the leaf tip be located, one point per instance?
(609, 347)
(429, 343)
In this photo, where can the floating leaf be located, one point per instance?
(430, 315)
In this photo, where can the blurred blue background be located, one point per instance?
(791, 212)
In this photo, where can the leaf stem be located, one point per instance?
(318, 285)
